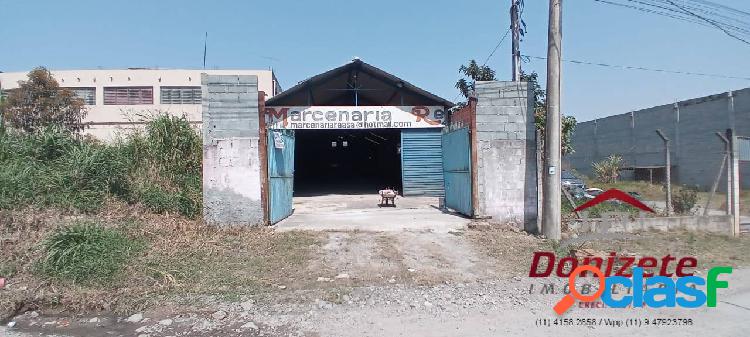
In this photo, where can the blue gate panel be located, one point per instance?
(421, 162)
(280, 174)
(457, 170)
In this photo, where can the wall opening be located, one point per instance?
(346, 161)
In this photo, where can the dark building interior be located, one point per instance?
(346, 161)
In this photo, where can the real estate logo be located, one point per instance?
(647, 289)
(664, 291)
(617, 195)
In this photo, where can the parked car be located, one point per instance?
(569, 180)
(578, 193)
(594, 191)
(636, 195)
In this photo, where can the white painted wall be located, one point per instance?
(107, 120)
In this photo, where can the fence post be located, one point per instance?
(718, 175)
(734, 168)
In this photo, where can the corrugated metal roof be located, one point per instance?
(304, 86)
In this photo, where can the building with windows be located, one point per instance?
(122, 99)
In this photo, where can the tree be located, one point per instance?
(540, 113)
(40, 102)
(475, 73)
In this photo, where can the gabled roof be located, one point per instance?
(356, 83)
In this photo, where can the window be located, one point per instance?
(128, 95)
(180, 95)
(88, 95)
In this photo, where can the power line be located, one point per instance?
(720, 6)
(496, 46)
(652, 11)
(688, 13)
(490, 55)
(644, 68)
(709, 21)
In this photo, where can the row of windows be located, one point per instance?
(140, 95)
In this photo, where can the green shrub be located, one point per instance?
(86, 252)
(684, 200)
(608, 170)
(174, 145)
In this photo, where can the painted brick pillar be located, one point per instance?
(506, 158)
(231, 163)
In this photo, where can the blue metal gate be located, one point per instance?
(280, 174)
(457, 170)
(421, 167)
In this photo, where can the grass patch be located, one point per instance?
(512, 252)
(94, 264)
(86, 252)
(710, 249)
(226, 262)
(159, 168)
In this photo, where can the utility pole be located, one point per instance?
(553, 151)
(734, 169)
(668, 170)
(515, 27)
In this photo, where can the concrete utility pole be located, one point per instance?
(552, 147)
(734, 169)
(668, 170)
(515, 27)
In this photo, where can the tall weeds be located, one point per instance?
(159, 167)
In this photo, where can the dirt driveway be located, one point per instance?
(419, 283)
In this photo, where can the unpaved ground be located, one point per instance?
(418, 283)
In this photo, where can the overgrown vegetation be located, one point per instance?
(45, 162)
(684, 199)
(160, 168)
(474, 72)
(608, 170)
(128, 260)
(86, 252)
(540, 113)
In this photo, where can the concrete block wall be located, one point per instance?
(231, 161)
(696, 151)
(506, 159)
(721, 224)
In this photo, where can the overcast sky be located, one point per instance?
(423, 42)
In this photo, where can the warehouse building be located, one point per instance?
(691, 126)
(356, 129)
(121, 99)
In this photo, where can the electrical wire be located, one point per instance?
(690, 13)
(496, 46)
(502, 39)
(644, 68)
(709, 21)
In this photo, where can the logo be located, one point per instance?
(664, 290)
(617, 195)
